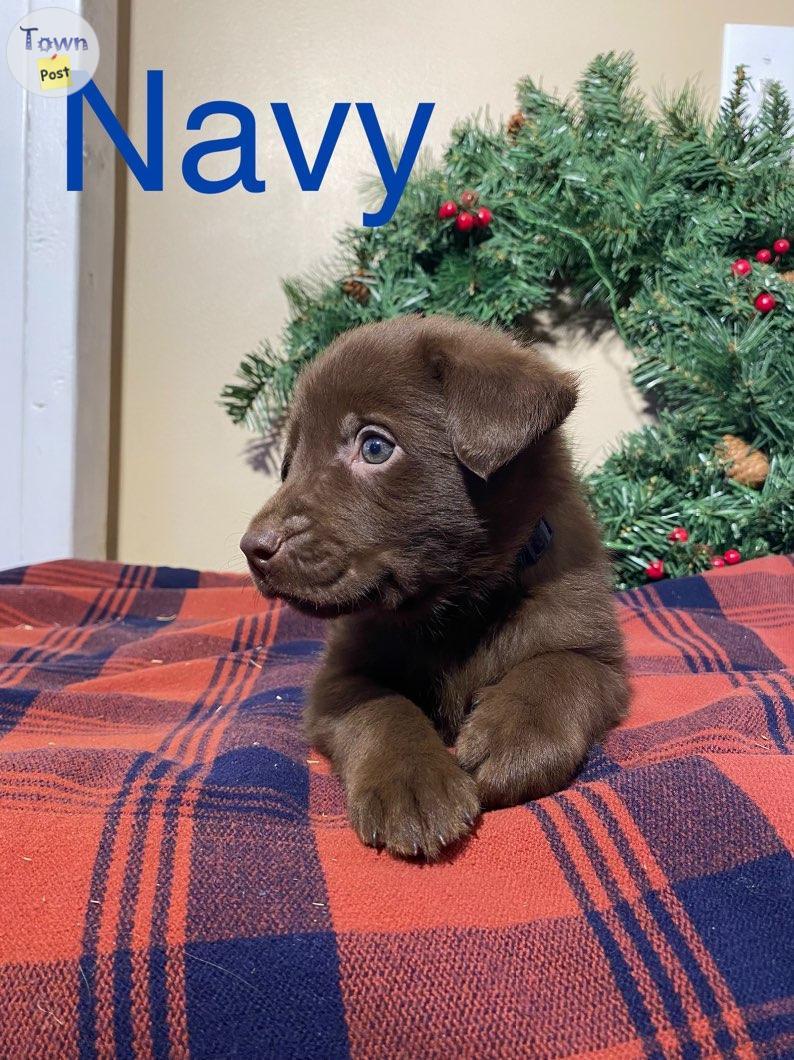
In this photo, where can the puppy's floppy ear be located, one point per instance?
(500, 397)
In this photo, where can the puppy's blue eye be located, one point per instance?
(376, 449)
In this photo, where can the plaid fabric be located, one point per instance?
(177, 876)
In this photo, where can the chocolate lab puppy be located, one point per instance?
(430, 508)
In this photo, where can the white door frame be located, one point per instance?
(56, 286)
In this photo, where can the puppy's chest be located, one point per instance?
(449, 687)
(443, 676)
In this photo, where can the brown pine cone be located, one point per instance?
(515, 124)
(354, 287)
(745, 465)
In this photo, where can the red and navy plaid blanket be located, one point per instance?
(177, 876)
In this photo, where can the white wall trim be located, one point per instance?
(12, 305)
(56, 264)
(766, 51)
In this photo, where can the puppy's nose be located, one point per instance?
(260, 546)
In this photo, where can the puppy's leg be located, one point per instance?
(405, 791)
(530, 732)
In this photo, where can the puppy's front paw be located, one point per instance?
(414, 807)
(512, 759)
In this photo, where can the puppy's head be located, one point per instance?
(396, 475)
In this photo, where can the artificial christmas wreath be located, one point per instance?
(654, 216)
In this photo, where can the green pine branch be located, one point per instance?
(641, 212)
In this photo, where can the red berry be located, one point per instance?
(717, 561)
(764, 256)
(741, 267)
(465, 221)
(678, 533)
(765, 302)
(781, 246)
(468, 197)
(447, 209)
(733, 555)
(655, 570)
(484, 217)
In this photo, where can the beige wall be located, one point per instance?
(200, 279)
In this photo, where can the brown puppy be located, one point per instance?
(424, 474)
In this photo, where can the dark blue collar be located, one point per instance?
(536, 546)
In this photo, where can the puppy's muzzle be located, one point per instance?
(260, 546)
